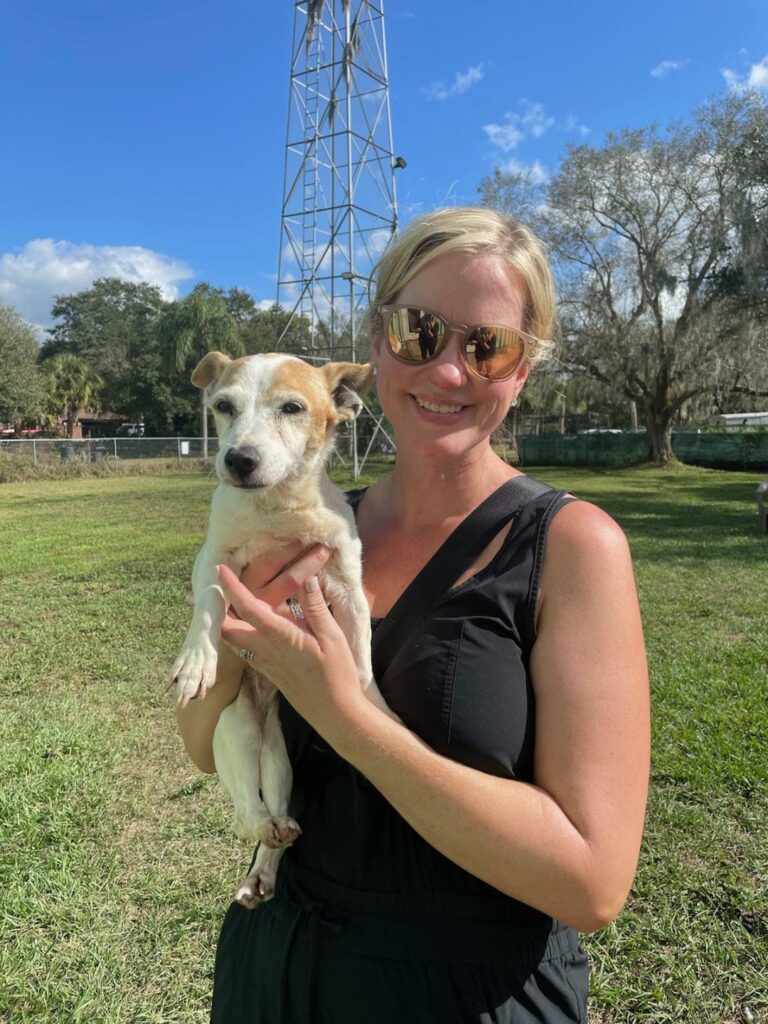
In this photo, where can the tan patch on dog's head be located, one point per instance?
(331, 391)
(297, 377)
(220, 369)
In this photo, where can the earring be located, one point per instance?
(513, 402)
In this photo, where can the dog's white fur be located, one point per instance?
(280, 412)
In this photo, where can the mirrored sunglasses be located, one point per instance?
(417, 335)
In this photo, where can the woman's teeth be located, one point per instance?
(433, 407)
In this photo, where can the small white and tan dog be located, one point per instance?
(275, 416)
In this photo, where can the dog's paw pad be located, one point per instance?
(279, 832)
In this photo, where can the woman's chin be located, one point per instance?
(450, 446)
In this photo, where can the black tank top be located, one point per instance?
(460, 680)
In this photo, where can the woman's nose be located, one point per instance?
(448, 369)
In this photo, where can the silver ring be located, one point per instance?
(246, 655)
(295, 609)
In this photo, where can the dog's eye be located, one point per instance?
(224, 407)
(291, 408)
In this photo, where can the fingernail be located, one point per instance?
(311, 585)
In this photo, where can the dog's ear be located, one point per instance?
(209, 369)
(347, 382)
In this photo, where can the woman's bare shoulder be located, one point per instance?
(583, 530)
(586, 550)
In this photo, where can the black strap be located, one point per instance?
(453, 557)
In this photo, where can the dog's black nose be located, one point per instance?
(242, 461)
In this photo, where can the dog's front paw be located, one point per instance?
(194, 671)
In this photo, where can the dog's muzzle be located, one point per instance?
(242, 462)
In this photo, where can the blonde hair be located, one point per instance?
(474, 229)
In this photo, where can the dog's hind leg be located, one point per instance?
(237, 742)
(281, 830)
(276, 781)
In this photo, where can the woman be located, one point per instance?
(448, 858)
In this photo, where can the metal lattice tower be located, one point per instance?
(339, 202)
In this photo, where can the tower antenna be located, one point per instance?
(339, 206)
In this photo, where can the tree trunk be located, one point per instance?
(512, 419)
(204, 416)
(658, 423)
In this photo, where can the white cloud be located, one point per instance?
(462, 81)
(667, 66)
(572, 124)
(30, 277)
(508, 135)
(755, 79)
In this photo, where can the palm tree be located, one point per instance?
(72, 384)
(194, 326)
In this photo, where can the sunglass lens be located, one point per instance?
(494, 352)
(414, 334)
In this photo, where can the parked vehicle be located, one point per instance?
(130, 430)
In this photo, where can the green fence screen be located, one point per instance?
(748, 450)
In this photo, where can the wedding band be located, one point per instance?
(246, 655)
(295, 609)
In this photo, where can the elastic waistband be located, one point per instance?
(434, 927)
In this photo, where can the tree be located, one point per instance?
(642, 232)
(744, 280)
(72, 385)
(261, 332)
(21, 385)
(112, 326)
(192, 327)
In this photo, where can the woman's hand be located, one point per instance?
(308, 658)
(278, 577)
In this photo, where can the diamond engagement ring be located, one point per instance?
(246, 655)
(295, 609)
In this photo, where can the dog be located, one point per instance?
(275, 416)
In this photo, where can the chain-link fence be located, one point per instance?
(747, 450)
(63, 450)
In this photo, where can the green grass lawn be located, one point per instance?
(117, 858)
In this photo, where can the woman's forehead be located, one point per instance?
(469, 288)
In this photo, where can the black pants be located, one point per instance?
(318, 954)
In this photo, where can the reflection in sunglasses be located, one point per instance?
(417, 335)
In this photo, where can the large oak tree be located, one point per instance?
(647, 235)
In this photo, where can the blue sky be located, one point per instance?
(145, 138)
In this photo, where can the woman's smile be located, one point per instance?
(439, 408)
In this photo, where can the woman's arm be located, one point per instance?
(198, 719)
(567, 844)
(273, 579)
